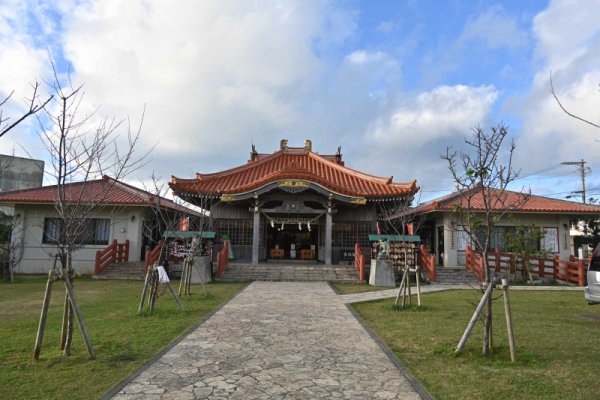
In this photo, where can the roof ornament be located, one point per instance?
(283, 144)
(308, 145)
(253, 153)
(338, 156)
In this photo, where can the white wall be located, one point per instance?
(38, 257)
(453, 257)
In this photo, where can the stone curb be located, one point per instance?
(423, 393)
(117, 388)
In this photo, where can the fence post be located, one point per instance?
(541, 267)
(97, 263)
(555, 267)
(581, 272)
(126, 258)
(113, 256)
(497, 260)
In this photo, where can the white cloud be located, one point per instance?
(495, 28)
(568, 44)
(408, 140)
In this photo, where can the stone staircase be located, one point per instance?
(455, 276)
(289, 272)
(124, 271)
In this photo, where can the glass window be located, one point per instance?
(96, 231)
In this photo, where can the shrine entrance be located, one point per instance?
(292, 241)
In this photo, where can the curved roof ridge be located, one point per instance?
(242, 167)
(354, 172)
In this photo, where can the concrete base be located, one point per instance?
(382, 273)
(201, 270)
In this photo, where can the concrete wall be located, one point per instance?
(37, 257)
(453, 257)
(18, 173)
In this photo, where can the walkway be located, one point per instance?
(276, 340)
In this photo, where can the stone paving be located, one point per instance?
(276, 340)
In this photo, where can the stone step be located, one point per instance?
(291, 272)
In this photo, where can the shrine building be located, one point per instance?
(293, 204)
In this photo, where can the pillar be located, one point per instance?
(328, 232)
(255, 235)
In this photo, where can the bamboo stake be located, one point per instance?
(175, 296)
(418, 287)
(400, 289)
(75, 308)
(63, 330)
(68, 320)
(509, 326)
(182, 280)
(42, 325)
(482, 302)
(140, 308)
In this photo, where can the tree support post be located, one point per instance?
(509, 326)
(482, 302)
(77, 312)
(42, 325)
(141, 307)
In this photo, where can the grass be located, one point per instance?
(351, 288)
(123, 340)
(557, 350)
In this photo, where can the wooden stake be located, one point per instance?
(400, 288)
(68, 320)
(42, 325)
(482, 302)
(63, 329)
(409, 287)
(418, 287)
(141, 307)
(182, 279)
(509, 326)
(175, 296)
(189, 276)
(77, 312)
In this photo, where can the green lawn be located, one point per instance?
(350, 288)
(123, 340)
(558, 352)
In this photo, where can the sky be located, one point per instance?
(394, 83)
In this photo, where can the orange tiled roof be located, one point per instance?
(513, 201)
(105, 191)
(293, 163)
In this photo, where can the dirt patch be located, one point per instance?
(592, 317)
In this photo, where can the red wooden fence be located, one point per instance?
(153, 255)
(359, 262)
(561, 270)
(222, 260)
(428, 263)
(114, 253)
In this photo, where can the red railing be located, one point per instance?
(222, 260)
(569, 271)
(427, 263)
(153, 255)
(114, 253)
(359, 262)
(475, 264)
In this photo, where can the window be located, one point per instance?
(346, 234)
(239, 231)
(95, 231)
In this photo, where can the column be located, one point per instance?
(255, 235)
(328, 231)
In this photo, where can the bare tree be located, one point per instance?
(482, 176)
(81, 146)
(34, 106)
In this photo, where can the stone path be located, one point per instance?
(276, 340)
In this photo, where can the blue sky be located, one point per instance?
(392, 82)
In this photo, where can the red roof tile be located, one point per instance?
(513, 201)
(293, 163)
(105, 191)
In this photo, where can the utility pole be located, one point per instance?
(582, 171)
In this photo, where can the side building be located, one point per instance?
(293, 204)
